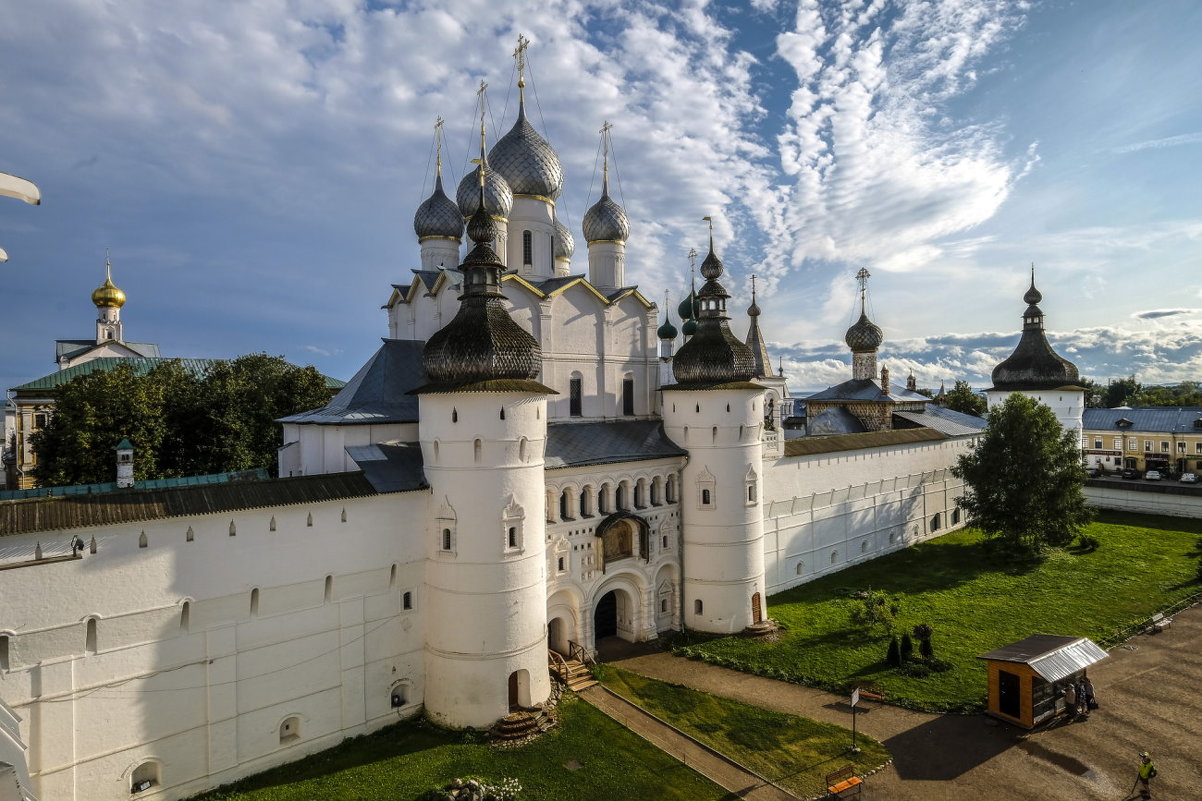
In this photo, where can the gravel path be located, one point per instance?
(1151, 699)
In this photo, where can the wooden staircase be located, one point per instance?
(571, 671)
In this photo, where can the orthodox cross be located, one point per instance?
(519, 55)
(862, 276)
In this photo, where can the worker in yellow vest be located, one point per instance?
(1147, 772)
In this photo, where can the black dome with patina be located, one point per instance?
(864, 336)
(482, 343)
(1034, 364)
(438, 215)
(713, 355)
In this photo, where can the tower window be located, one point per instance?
(446, 539)
(697, 607)
(628, 396)
(576, 396)
(4, 652)
(290, 730)
(407, 600)
(527, 248)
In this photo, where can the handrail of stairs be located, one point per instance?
(580, 653)
(558, 665)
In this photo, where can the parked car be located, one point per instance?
(1152, 475)
(1093, 472)
(1130, 472)
(1189, 478)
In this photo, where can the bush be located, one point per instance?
(893, 655)
(907, 647)
(925, 649)
(874, 609)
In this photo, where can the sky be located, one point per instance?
(254, 166)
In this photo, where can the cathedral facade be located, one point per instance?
(532, 462)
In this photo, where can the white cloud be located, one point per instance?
(1157, 144)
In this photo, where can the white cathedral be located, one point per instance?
(528, 465)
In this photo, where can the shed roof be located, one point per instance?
(806, 446)
(575, 444)
(1053, 657)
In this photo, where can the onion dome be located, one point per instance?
(526, 161)
(498, 198)
(563, 244)
(689, 328)
(107, 294)
(606, 220)
(438, 215)
(713, 355)
(482, 343)
(864, 336)
(1034, 365)
(667, 330)
(688, 307)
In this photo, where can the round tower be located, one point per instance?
(438, 222)
(482, 426)
(531, 167)
(606, 230)
(1037, 371)
(108, 300)
(716, 413)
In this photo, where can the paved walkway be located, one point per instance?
(1150, 693)
(717, 769)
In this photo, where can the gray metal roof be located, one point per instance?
(835, 420)
(376, 394)
(808, 446)
(866, 389)
(1052, 656)
(74, 347)
(954, 424)
(1161, 419)
(390, 467)
(576, 444)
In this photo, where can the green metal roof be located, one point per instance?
(125, 444)
(195, 367)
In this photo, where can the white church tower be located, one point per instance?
(108, 300)
(1037, 371)
(483, 428)
(717, 414)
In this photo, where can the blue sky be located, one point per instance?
(254, 167)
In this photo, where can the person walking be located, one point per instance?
(1082, 708)
(1089, 701)
(1070, 700)
(1147, 772)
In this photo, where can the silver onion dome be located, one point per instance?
(606, 220)
(864, 336)
(498, 197)
(564, 245)
(527, 161)
(438, 215)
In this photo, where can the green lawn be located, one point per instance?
(975, 604)
(792, 751)
(587, 757)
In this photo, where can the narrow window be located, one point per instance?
(800, 568)
(344, 514)
(329, 591)
(523, 449)
(254, 602)
(477, 447)
(4, 652)
(527, 248)
(665, 543)
(233, 529)
(935, 523)
(955, 516)
(454, 415)
(189, 535)
(392, 577)
(89, 636)
(834, 556)
(705, 497)
(697, 607)
(751, 493)
(628, 396)
(309, 520)
(576, 396)
(864, 546)
(185, 616)
(502, 412)
(290, 730)
(559, 564)
(663, 605)
(565, 505)
(446, 539)
(271, 524)
(142, 543)
(407, 600)
(513, 537)
(620, 494)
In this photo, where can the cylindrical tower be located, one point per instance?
(717, 414)
(482, 426)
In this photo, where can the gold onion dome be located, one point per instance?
(107, 295)
(438, 215)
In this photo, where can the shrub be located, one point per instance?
(874, 609)
(907, 647)
(926, 649)
(893, 655)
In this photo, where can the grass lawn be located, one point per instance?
(975, 604)
(587, 757)
(792, 751)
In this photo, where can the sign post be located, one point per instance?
(855, 699)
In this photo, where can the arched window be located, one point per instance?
(935, 522)
(671, 489)
(189, 535)
(603, 500)
(628, 395)
(864, 546)
(185, 616)
(657, 491)
(290, 730)
(476, 450)
(3, 652)
(254, 602)
(956, 515)
(233, 529)
(392, 576)
(309, 520)
(800, 568)
(705, 497)
(697, 607)
(576, 395)
(407, 600)
(329, 590)
(144, 777)
(834, 556)
(640, 494)
(89, 636)
(524, 449)
(446, 539)
(565, 505)
(620, 495)
(527, 248)
(586, 502)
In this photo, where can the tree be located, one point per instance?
(1023, 479)
(1094, 393)
(1121, 392)
(964, 399)
(179, 423)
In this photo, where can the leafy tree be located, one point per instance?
(1023, 479)
(1094, 393)
(179, 424)
(964, 399)
(1121, 392)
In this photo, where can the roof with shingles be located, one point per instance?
(807, 446)
(865, 389)
(950, 422)
(577, 444)
(1165, 419)
(377, 393)
(65, 512)
(195, 367)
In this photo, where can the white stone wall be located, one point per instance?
(829, 511)
(311, 449)
(306, 621)
(1152, 503)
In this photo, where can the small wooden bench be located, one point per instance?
(843, 781)
(1160, 622)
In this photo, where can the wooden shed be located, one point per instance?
(1027, 679)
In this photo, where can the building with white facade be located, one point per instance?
(527, 466)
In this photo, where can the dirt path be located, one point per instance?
(717, 769)
(1150, 699)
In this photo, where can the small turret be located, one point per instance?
(108, 300)
(125, 464)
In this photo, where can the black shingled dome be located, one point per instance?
(1034, 365)
(713, 355)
